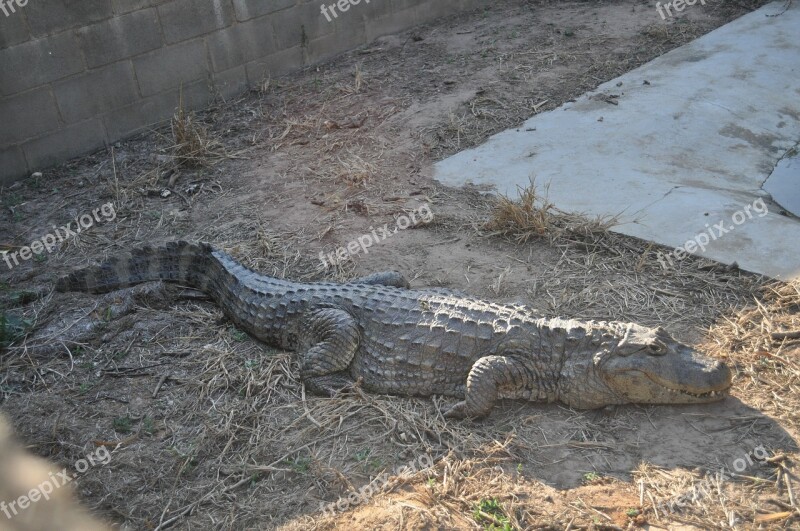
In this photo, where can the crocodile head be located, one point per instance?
(626, 363)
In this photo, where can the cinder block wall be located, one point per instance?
(78, 74)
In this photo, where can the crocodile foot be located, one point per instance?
(458, 411)
(329, 385)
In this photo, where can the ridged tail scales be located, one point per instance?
(328, 337)
(182, 262)
(234, 288)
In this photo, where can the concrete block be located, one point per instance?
(294, 25)
(13, 30)
(231, 83)
(153, 111)
(46, 17)
(40, 61)
(247, 9)
(394, 23)
(27, 115)
(170, 67)
(12, 165)
(330, 46)
(352, 30)
(184, 19)
(55, 148)
(241, 43)
(96, 92)
(120, 37)
(375, 9)
(195, 96)
(350, 27)
(274, 65)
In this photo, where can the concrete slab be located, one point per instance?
(784, 183)
(684, 151)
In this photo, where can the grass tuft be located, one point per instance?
(193, 145)
(533, 216)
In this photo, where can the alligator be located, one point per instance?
(379, 333)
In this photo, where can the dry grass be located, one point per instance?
(533, 216)
(193, 145)
(354, 170)
(763, 341)
(358, 83)
(711, 498)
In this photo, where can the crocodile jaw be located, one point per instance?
(684, 376)
(642, 388)
(593, 379)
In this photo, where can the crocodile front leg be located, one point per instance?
(331, 338)
(486, 377)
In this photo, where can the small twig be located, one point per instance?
(777, 336)
(604, 515)
(536, 107)
(305, 407)
(173, 178)
(489, 517)
(192, 506)
(159, 384)
(655, 506)
(779, 503)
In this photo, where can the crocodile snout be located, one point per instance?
(722, 375)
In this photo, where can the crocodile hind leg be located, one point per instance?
(487, 376)
(330, 338)
(384, 278)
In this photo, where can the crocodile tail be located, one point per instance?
(182, 262)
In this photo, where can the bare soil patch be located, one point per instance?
(212, 429)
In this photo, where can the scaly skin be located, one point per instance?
(423, 342)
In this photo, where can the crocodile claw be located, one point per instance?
(457, 411)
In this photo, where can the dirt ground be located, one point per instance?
(209, 428)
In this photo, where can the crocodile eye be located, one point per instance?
(656, 349)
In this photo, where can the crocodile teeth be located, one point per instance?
(709, 394)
